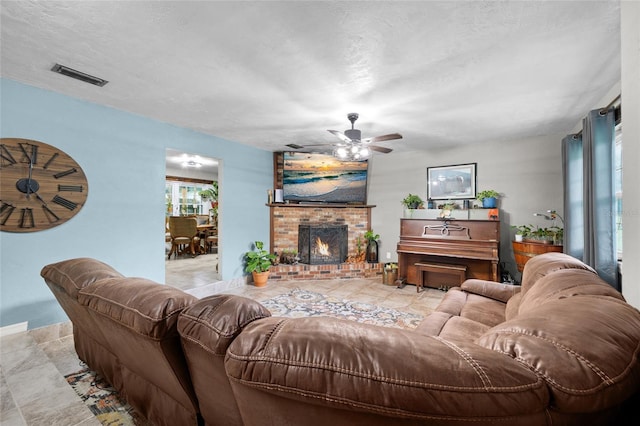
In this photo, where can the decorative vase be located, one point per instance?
(489, 203)
(372, 251)
(260, 278)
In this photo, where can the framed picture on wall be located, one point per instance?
(457, 182)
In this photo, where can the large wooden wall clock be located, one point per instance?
(40, 186)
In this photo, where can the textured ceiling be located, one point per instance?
(272, 73)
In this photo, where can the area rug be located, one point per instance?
(103, 400)
(304, 303)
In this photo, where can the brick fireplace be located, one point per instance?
(287, 218)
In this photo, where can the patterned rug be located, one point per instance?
(304, 303)
(110, 410)
(103, 400)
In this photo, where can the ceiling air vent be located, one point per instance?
(70, 72)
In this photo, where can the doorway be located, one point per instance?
(191, 189)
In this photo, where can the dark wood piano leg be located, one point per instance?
(401, 282)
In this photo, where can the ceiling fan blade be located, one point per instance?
(388, 137)
(380, 149)
(341, 135)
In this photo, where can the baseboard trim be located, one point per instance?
(14, 328)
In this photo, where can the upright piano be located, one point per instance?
(474, 244)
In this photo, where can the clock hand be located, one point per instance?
(46, 207)
(31, 160)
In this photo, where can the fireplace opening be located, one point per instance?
(320, 244)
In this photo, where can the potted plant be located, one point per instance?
(390, 273)
(488, 198)
(412, 201)
(558, 235)
(210, 194)
(289, 256)
(447, 208)
(522, 232)
(258, 262)
(372, 246)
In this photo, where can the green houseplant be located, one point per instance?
(372, 246)
(258, 261)
(522, 231)
(210, 193)
(412, 201)
(488, 198)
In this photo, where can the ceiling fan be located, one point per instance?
(352, 146)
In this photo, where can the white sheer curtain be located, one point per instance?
(589, 203)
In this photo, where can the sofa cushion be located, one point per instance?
(451, 327)
(477, 308)
(142, 305)
(139, 317)
(75, 274)
(207, 328)
(491, 289)
(544, 264)
(566, 283)
(365, 368)
(585, 347)
(513, 306)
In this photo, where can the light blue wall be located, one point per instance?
(123, 156)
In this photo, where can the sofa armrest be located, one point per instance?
(491, 289)
(344, 365)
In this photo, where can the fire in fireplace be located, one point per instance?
(322, 243)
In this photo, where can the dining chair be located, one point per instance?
(184, 231)
(211, 239)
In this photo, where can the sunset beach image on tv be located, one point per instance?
(316, 177)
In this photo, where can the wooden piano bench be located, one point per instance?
(459, 272)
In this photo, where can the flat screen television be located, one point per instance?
(322, 178)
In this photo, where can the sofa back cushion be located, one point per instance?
(207, 328)
(139, 317)
(565, 283)
(547, 263)
(584, 346)
(65, 279)
(73, 275)
(513, 306)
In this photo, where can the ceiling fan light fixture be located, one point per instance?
(341, 153)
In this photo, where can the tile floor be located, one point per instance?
(33, 363)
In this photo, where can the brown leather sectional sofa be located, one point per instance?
(560, 350)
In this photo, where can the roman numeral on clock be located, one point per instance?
(65, 173)
(64, 202)
(48, 163)
(30, 157)
(50, 215)
(6, 156)
(5, 212)
(26, 220)
(70, 188)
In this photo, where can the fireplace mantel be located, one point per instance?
(322, 205)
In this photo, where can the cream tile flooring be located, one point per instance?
(33, 364)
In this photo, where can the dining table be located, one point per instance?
(202, 233)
